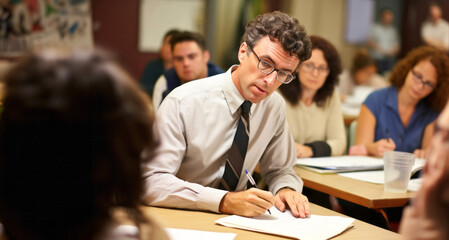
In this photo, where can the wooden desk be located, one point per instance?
(205, 221)
(362, 193)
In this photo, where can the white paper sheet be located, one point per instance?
(366, 176)
(378, 176)
(187, 234)
(284, 224)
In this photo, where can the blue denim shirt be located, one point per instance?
(383, 104)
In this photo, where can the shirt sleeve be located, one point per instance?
(335, 129)
(372, 102)
(279, 158)
(159, 88)
(162, 187)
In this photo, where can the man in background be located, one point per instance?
(154, 69)
(383, 42)
(190, 62)
(435, 30)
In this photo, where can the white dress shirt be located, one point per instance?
(196, 124)
(159, 88)
(386, 38)
(438, 31)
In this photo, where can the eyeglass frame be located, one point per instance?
(319, 69)
(419, 79)
(272, 70)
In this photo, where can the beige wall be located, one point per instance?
(325, 18)
(226, 19)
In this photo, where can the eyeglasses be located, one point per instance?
(419, 80)
(267, 68)
(310, 68)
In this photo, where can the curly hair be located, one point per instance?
(292, 91)
(437, 99)
(283, 28)
(73, 132)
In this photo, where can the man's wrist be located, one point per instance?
(285, 189)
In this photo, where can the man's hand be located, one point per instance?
(250, 203)
(295, 201)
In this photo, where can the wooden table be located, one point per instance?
(204, 221)
(366, 194)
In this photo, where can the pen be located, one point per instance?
(388, 134)
(251, 180)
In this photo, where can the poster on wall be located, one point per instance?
(30, 24)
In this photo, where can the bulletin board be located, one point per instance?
(156, 17)
(30, 24)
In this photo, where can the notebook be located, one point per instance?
(341, 164)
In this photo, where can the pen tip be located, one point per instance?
(246, 171)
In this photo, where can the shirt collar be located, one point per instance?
(392, 102)
(231, 93)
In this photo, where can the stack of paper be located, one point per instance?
(341, 164)
(284, 224)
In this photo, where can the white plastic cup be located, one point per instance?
(397, 170)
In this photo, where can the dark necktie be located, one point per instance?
(237, 152)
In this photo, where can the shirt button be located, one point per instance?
(400, 140)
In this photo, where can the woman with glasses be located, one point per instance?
(313, 104)
(402, 117)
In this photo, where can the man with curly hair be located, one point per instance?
(194, 166)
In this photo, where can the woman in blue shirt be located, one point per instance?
(402, 117)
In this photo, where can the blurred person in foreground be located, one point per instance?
(427, 218)
(74, 132)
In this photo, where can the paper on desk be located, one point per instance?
(187, 234)
(378, 176)
(414, 184)
(284, 224)
(366, 176)
(341, 164)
